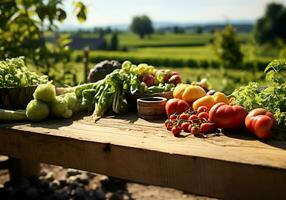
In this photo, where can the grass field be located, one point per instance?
(131, 40)
(200, 52)
(169, 46)
(196, 52)
(179, 47)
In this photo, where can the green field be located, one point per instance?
(179, 47)
(131, 40)
(200, 52)
(169, 46)
(180, 53)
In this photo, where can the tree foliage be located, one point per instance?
(272, 25)
(227, 47)
(22, 27)
(114, 43)
(142, 25)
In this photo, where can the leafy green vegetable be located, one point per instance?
(109, 93)
(274, 71)
(14, 73)
(73, 102)
(272, 96)
(119, 102)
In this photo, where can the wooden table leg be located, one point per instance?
(4, 162)
(26, 168)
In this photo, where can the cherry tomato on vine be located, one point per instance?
(168, 125)
(203, 115)
(184, 116)
(176, 130)
(207, 127)
(202, 109)
(166, 122)
(195, 130)
(193, 117)
(185, 126)
(173, 117)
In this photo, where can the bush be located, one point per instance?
(167, 62)
(204, 63)
(192, 63)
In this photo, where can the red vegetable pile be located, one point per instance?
(194, 122)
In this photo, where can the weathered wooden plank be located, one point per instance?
(131, 148)
(21, 167)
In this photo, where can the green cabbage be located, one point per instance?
(59, 108)
(37, 110)
(45, 92)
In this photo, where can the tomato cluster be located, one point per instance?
(194, 122)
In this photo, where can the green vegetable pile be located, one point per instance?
(14, 73)
(271, 96)
(109, 93)
(102, 96)
(46, 103)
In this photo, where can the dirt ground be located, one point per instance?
(103, 187)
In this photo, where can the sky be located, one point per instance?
(116, 12)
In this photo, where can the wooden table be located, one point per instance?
(232, 166)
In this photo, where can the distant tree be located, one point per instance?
(272, 25)
(178, 30)
(114, 42)
(108, 30)
(227, 47)
(213, 30)
(199, 30)
(103, 45)
(142, 25)
(101, 33)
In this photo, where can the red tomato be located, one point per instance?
(226, 116)
(185, 126)
(260, 121)
(175, 79)
(203, 115)
(168, 125)
(193, 117)
(176, 106)
(184, 116)
(173, 117)
(202, 109)
(194, 130)
(174, 73)
(207, 127)
(176, 130)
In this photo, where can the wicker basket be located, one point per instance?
(16, 98)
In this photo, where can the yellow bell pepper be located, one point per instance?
(188, 92)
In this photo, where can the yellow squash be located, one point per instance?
(192, 93)
(179, 90)
(207, 101)
(220, 97)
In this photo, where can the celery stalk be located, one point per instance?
(11, 115)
